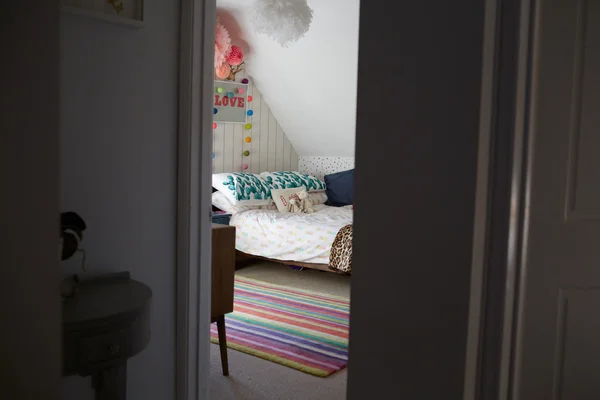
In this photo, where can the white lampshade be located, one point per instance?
(285, 21)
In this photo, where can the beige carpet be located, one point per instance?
(251, 378)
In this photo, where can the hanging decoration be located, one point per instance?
(222, 44)
(229, 58)
(230, 97)
(285, 21)
(230, 103)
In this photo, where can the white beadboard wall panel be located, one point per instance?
(270, 148)
(287, 154)
(279, 147)
(228, 150)
(321, 166)
(239, 133)
(264, 128)
(218, 147)
(256, 131)
(272, 142)
(294, 160)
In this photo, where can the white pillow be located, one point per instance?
(242, 188)
(292, 179)
(318, 197)
(221, 201)
(281, 197)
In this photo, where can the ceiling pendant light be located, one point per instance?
(285, 21)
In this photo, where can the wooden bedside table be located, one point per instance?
(223, 269)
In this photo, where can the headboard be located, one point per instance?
(321, 166)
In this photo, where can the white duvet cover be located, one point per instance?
(286, 236)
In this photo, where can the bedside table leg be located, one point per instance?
(223, 344)
(111, 383)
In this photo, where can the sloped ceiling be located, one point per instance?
(310, 86)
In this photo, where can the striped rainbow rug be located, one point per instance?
(297, 328)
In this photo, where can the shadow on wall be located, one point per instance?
(228, 20)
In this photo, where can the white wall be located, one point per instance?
(321, 166)
(270, 149)
(118, 168)
(310, 86)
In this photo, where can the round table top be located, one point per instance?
(105, 299)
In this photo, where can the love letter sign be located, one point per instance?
(230, 102)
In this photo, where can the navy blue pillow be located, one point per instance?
(340, 188)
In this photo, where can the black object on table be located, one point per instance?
(221, 218)
(104, 324)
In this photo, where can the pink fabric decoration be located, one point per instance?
(222, 45)
(236, 56)
(223, 71)
(240, 90)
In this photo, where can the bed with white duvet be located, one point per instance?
(299, 237)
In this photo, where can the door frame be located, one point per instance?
(194, 171)
(500, 229)
(502, 199)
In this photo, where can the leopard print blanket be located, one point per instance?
(340, 257)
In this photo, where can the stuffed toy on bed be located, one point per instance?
(293, 205)
(300, 203)
(306, 204)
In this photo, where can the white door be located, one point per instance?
(558, 337)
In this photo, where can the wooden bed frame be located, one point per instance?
(242, 258)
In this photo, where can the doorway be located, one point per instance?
(268, 141)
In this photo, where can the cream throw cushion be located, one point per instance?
(282, 197)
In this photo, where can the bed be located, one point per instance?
(266, 229)
(299, 239)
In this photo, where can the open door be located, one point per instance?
(30, 312)
(557, 353)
